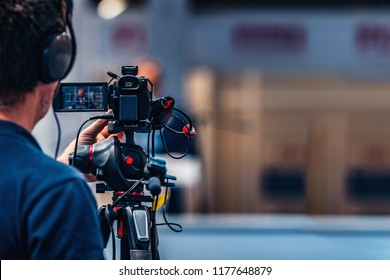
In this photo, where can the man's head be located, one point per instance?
(153, 70)
(80, 92)
(25, 26)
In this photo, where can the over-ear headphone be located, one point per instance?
(59, 51)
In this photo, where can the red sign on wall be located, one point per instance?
(373, 38)
(128, 36)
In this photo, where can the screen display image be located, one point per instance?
(81, 97)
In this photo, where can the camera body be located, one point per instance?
(129, 97)
(131, 101)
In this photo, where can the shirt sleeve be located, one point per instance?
(63, 223)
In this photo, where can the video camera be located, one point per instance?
(130, 98)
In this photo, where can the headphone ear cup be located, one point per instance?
(56, 58)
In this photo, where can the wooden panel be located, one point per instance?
(326, 164)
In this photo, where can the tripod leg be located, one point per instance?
(105, 220)
(154, 237)
(138, 235)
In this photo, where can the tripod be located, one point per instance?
(135, 222)
(132, 215)
(135, 225)
(133, 210)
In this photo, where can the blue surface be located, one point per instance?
(276, 237)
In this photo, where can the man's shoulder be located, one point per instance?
(50, 179)
(52, 171)
(26, 159)
(59, 169)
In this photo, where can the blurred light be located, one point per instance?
(109, 9)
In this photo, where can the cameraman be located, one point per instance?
(47, 209)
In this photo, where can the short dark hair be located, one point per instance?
(24, 26)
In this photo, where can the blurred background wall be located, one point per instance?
(290, 99)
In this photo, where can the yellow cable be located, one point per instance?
(161, 199)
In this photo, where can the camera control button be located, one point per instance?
(129, 160)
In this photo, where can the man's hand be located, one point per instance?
(94, 133)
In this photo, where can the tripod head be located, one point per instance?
(119, 164)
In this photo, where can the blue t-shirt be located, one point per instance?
(47, 210)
